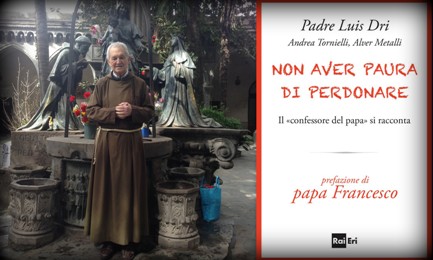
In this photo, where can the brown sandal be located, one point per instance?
(107, 251)
(128, 254)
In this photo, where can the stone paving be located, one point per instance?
(230, 237)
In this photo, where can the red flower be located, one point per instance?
(80, 110)
(83, 106)
(71, 98)
(153, 38)
(87, 94)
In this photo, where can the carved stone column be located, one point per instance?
(33, 208)
(177, 215)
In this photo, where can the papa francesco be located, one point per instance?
(341, 193)
(374, 25)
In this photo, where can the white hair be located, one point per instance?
(117, 45)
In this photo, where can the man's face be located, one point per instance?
(118, 60)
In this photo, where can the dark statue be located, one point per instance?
(51, 114)
(180, 107)
(111, 35)
(123, 30)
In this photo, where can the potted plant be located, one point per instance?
(80, 111)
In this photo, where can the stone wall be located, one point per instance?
(29, 147)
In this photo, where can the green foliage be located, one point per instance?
(172, 17)
(162, 45)
(244, 42)
(169, 18)
(247, 142)
(218, 115)
(95, 12)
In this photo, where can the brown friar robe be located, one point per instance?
(118, 181)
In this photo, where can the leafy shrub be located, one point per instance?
(218, 115)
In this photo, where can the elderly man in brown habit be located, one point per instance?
(117, 213)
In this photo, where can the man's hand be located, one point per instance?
(123, 110)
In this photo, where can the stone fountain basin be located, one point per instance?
(81, 148)
(34, 184)
(28, 171)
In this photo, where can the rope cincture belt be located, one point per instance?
(98, 131)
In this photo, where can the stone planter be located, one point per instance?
(191, 174)
(28, 171)
(32, 208)
(177, 216)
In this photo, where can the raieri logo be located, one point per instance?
(340, 240)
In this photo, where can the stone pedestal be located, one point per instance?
(28, 147)
(177, 215)
(71, 161)
(32, 208)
